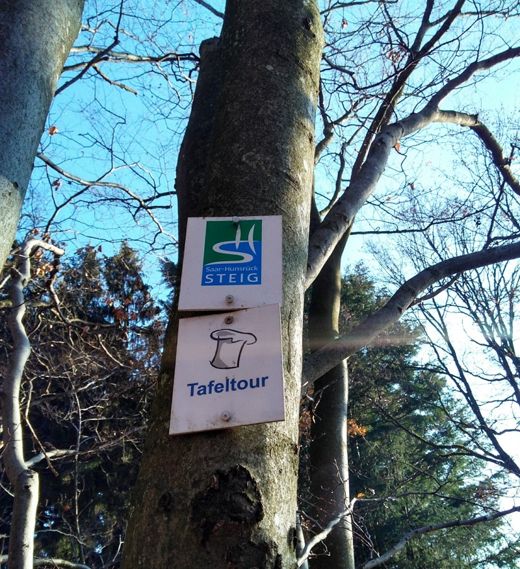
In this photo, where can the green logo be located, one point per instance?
(232, 253)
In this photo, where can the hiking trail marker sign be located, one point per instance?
(228, 371)
(231, 263)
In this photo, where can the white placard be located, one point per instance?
(232, 262)
(228, 371)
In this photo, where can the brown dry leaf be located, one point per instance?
(354, 429)
(119, 314)
(53, 129)
(43, 269)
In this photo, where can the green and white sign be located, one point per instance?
(232, 262)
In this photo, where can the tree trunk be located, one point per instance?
(35, 39)
(227, 499)
(21, 542)
(23, 479)
(329, 446)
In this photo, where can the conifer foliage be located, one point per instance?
(402, 481)
(401, 421)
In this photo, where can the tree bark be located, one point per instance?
(227, 499)
(35, 39)
(329, 449)
(21, 539)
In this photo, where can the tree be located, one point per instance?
(398, 480)
(470, 331)
(489, 433)
(403, 482)
(236, 493)
(483, 371)
(36, 43)
(383, 97)
(233, 502)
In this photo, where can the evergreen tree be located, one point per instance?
(401, 481)
(395, 409)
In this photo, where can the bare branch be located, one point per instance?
(435, 527)
(143, 204)
(328, 357)
(210, 8)
(112, 82)
(342, 214)
(424, 27)
(96, 58)
(508, 12)
(56, 453)
(471, 69)
(51, 562)
(502, 163)
(322, 535)
(343, 5)
(450, 17)
(436, 292)
(106, 54)
(339, 179)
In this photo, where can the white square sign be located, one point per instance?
(232, 262)
(228, 371)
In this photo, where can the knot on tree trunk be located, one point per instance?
(231, 499)
(262, 555)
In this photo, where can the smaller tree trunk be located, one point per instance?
(329, 470)
(21, 539)
(23, 479)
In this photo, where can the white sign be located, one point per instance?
(232, 262)
(228, 371)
